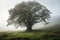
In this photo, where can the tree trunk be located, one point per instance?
(29, 29)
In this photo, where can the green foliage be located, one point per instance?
(28, 12)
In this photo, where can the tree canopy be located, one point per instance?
(28, 13)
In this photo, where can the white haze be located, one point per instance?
(5, 5)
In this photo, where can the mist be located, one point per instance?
(5, 5)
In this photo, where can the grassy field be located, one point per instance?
(29, 36)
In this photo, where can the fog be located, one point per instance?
(5, 5)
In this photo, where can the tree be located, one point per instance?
(28, 13)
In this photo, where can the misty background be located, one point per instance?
(5, 5)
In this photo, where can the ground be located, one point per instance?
(29, 36)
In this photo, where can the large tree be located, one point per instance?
(28, 13)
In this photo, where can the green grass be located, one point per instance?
(29, 36)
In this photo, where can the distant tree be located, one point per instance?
(28, 13)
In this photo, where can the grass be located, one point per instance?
(29, 36)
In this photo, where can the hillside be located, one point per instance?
(53, 27)
(29, 36)
(49, 32)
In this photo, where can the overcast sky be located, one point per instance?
(5, 5)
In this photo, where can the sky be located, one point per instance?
(5, 5)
